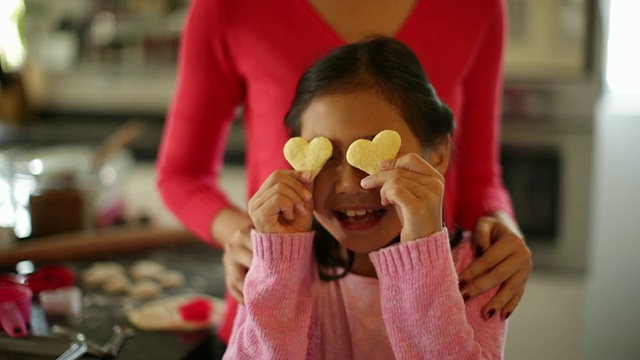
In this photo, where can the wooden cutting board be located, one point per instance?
(86, 245)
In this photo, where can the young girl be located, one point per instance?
(356, 266)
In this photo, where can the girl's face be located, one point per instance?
(353, 215)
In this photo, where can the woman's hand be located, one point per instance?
(416, 190)
(283, 204)
(237, 260)
(505, 260)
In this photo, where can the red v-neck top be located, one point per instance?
(253, 52)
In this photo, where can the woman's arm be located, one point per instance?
(207, 92)
(275, 321)
(484, 204)
(425, 315)
(480, 187)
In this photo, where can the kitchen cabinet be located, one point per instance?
(121, 56)
(550, 40)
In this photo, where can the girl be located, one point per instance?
(375, 275)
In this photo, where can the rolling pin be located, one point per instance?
(85, 245)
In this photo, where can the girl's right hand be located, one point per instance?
(416, 189)
(283, 204)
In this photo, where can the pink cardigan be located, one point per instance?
(412, 311)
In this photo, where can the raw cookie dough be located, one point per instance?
(99, 272)
(146, 269)
(145, 289)
(170, 278)
(164, 314)
(117, 284)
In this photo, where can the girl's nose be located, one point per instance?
(348, 179)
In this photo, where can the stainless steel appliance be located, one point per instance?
(547, 169)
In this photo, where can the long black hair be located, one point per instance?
(389, 67)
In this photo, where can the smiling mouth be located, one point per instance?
(359, 215)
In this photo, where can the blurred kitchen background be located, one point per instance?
(74, 71)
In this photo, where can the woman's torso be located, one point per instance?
(272, 43)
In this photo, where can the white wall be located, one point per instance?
(612, 311)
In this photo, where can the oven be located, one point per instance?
(547, 169)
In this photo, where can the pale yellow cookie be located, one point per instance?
(145, 269)
(308, 156)
(365, 155)
(99, 272)
(170, 278)
(116, 284)
(145, 289)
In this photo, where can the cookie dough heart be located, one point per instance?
(365, 155)
(308, 156)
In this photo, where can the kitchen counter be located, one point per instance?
(201, 265)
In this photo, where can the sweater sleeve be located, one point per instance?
(480, 187)
(207, 92)
(425, 316)
(275, 321)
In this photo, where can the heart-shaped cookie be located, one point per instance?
(365, 155)
(308, 156)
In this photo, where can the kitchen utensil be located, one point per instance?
(77, 349)
(15, 309)
(110, 349)
(120, 334)
(48, 278)
(49, 347)
(115, 142)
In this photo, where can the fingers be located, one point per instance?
(482, 234)
(507, 263)
(416, 190)
(508, 309)
(235, 284)
(236, 261)
(235, 274)
(282, 196)
(494, 269)
(498, 252)
(507, 297)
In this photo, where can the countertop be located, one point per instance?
(203, 271)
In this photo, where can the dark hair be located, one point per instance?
(381, 64)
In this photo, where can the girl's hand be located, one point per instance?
(283, 203)
(505, 261)
(416, 190)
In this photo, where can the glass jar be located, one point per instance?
(7, 211)
(54, 191)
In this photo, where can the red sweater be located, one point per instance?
(414, 309)
(253, 52)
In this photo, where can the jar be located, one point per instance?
(55, 190)
(7, 219)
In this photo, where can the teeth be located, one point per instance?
(359, 212)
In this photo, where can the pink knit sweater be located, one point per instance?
(412, 311)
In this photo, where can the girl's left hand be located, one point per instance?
(416, 190)
(504, 259)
